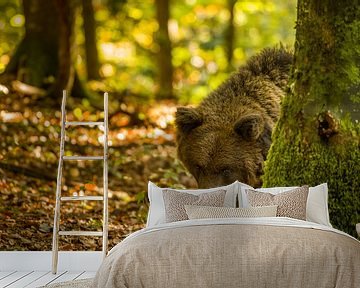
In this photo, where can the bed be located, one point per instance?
(234, 251)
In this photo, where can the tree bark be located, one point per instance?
(45, 57)
(317, 136)
(91, 51)
(165, 67)
(66, 48)
(35, 59)
(230, 34)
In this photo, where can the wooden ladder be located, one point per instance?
(59, 199)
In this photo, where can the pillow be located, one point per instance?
(156, 214)
(316, 207)
(175, 201)
(201, 212)
(290, 203)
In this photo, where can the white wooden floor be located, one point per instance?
(32, 279)
(32, 269)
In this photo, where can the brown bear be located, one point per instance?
(227, 137)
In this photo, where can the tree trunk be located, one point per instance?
(91, 51)
(66, 52)
(46, 54)
(35, 59)
(317, 136)
(230, 34)
(165, 90)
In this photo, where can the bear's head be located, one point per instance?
(217, 152)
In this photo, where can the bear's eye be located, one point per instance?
(197, 172)
(226, 172)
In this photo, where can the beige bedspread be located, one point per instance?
(233, 255)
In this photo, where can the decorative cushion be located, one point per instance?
(156, 214)
(290, 203)
(175, 202)
(317, 210)
(201, 212)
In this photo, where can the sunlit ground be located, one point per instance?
(141, 138)
(29, 156)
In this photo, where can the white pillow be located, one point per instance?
(316, 207)
(202, 212)
(156, 213)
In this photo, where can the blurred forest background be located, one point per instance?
(126, 48)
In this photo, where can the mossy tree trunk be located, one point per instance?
(165, 68)
(317, 136)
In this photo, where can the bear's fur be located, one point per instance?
(227, 137)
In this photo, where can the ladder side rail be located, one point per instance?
(55, 244)
(105, 178)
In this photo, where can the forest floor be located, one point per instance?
(139, 151)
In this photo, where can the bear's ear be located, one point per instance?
(250, 127)
(187, 119)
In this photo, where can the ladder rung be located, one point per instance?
(83, 157)
(81, 233)
(81, 198)
(88, 123)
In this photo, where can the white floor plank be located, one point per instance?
(28, 279)
(68, 276)
(46, 279)
(4, 274)
(87, 274)
(32, 279)
(42, 260)
(5, 282)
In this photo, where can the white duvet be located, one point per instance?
(233, 252)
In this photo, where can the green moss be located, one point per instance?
(298, 162)
(326, 77)
(327, 65)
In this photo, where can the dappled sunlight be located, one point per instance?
(30, 142)
(128, 37)
(163, 114)
(121, 51)
(11, 117)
